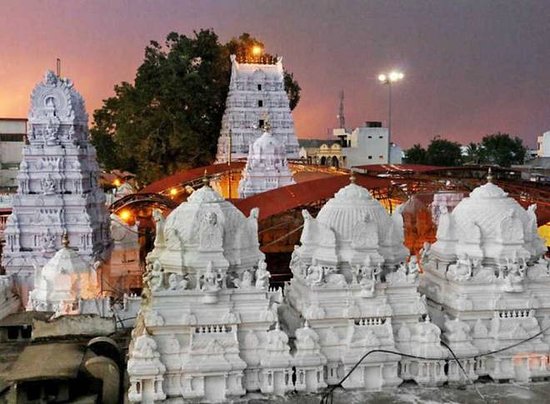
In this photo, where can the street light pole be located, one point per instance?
(388, 79)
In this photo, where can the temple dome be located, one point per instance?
(350, 206)
(486, 206)
(65, 278)
(488, 225)
(208, 228)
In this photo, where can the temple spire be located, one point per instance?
(489, 175)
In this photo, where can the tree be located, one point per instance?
(474, 153)
(170, 118)
(416, 155)
(503, 150)
(442, 152)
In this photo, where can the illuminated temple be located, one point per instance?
(254, 90)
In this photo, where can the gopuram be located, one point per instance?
(266, 166)
(58, 191)
(487, 284)
(254, 90)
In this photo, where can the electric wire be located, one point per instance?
(329, 394)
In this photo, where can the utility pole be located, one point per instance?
(229, 162)
(58, 67)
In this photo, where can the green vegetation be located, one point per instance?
(170, 117)
(497, 149)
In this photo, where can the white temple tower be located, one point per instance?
(266, 167)
(254, 90)
(58, 189)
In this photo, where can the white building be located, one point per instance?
(254, 90)
(543, 143)
(367, 145)
(266, 166)
(12, 140)
(487, 284)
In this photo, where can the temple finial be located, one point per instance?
(205, 180)
(65, 239)
(352, 177)
(490, 175)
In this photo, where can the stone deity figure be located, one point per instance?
(246, 282)
(462, 269)
(158, 218)
(154, 276)
(210, 233)
(398, 226)
(48, 185)
(210, 279)
(412, 269)
(425, 253)
(514, 278)
(262, 275)
(48, 241)
(444, 224)
(173, 282)
(315, 274)
(368, 278)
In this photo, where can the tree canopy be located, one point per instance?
(503, 150)
(497, 149)
(170, 117)
(440, 152)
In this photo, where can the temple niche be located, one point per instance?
(207, 329)
(354, 289)
(254, 90)
(487, 284)
(266, 166)
(58, 190)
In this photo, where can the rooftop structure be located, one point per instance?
(12, 139)
(254, 90)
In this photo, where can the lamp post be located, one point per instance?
(389, 79)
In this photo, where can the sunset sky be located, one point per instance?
(471, 67)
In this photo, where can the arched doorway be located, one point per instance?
(335, 162)
(323, 161)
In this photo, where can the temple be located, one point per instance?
(255, 89)
(266, 166)
(487, 285)
(67, 285)
(58, 191)
(353, 288)
(207, 326)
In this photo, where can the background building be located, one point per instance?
(12, 140)
(543, 143)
